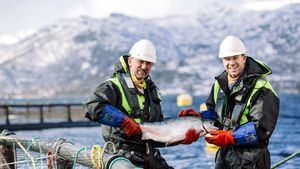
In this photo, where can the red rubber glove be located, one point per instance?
(220, 138)
(190, 136)
(188, 112)
(131, 127)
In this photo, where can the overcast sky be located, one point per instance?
(30, 14)
(21, 17)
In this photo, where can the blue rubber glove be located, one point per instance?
(208, 114)
(245, 135)
(111, 116)
(114, 117)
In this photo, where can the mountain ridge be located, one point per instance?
(72, 56)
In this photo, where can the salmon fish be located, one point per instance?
(172, 130)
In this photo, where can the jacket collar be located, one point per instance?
(121, 66)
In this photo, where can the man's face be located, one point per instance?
(234, 65)
(139, 68)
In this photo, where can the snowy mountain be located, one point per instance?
(71, 57)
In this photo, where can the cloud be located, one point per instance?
(32, 14)
(268, 5)
(137, 8)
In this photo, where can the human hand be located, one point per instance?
(190, 136)
(130, 127)
(220, 138)
(188, 112)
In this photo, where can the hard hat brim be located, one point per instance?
(144, 58)
(231, 54)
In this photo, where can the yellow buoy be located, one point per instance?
(184, 100)
(203, 107)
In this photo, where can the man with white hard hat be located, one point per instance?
(245, 106)
(128, 98)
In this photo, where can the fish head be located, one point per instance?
(209, 126)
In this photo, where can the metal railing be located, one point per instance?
(27, 112)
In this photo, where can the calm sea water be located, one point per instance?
(285, 139)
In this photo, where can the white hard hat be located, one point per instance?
(143, 50)
(231, 46)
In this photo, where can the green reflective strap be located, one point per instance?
(216, 90)
(123, 63)
(269, 86)
(261, 82)
(220, 100)
(244, 118)
(125, 103)
(141, 100)
(138, 120)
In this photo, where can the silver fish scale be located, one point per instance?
(173, 130)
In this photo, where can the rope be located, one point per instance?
(5, 132)
(34, 145)
(58, 144)
(76, 156)
(15, 152)
(97, 154)
(33, 142)
(50, 160)
(286, 159)
(26, 152)
(24, 161)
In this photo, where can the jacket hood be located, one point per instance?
(121, 66)
(256, 67)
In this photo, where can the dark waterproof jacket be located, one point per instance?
(137, 150)
(263, 111)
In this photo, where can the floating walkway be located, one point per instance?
(23, 116)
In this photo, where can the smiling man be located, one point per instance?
(245, 106)
(128, 98)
